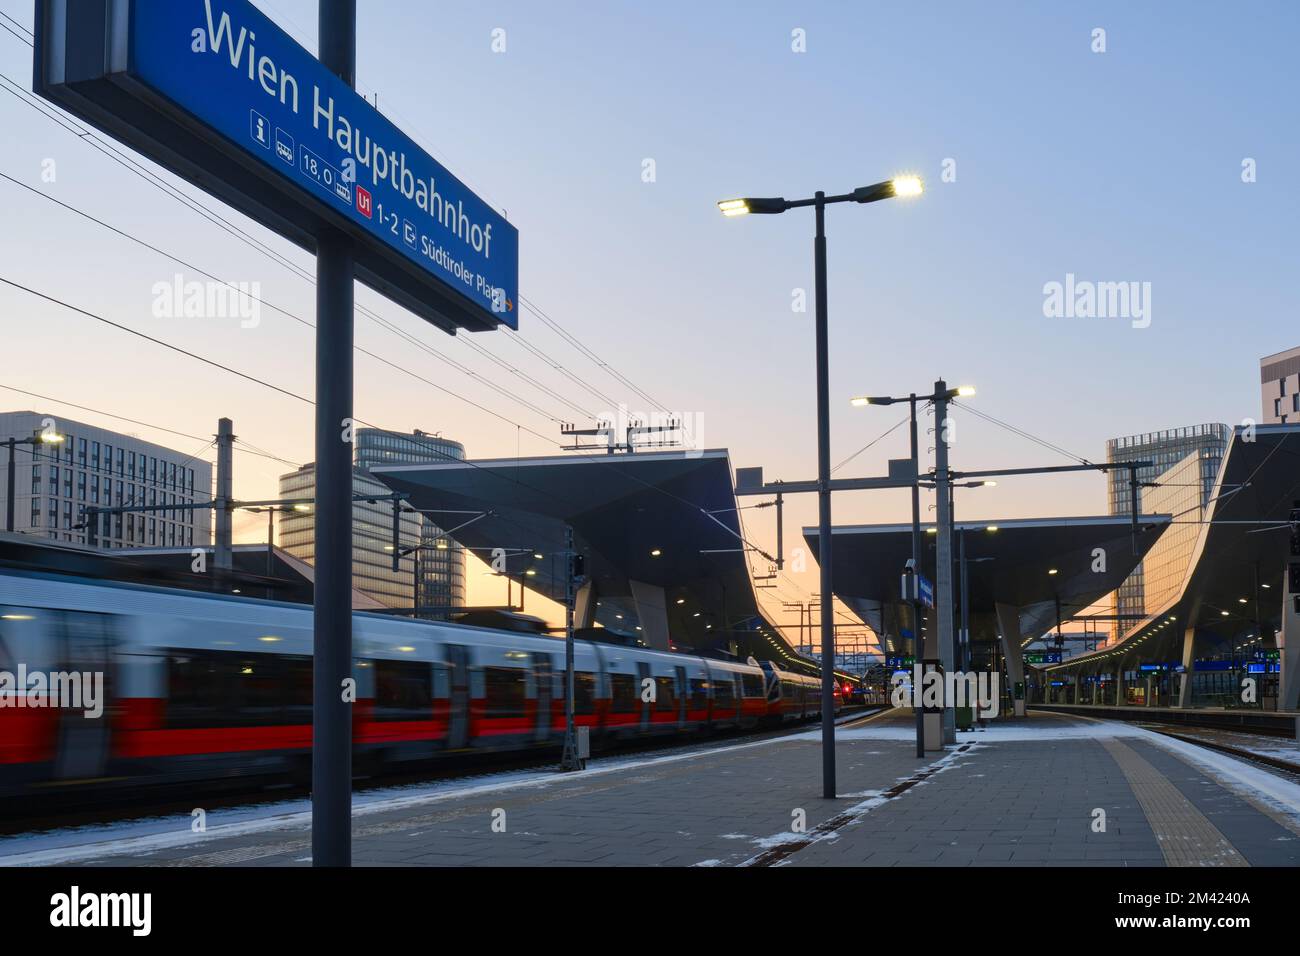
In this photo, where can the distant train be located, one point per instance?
(203, 688)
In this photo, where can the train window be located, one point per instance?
(217, 689)
(699, 694)
(296, 673)
(724, 693)
(665, 694)
(506, 690)
(402, 690)
(753, 684)
(622, 692)
(26, 636)
(584, 692)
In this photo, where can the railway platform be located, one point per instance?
(1278, 723)
(1046, 790)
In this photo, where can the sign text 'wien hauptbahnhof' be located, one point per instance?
(214, 90)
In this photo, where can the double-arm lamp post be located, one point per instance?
(940, 397)
(897, 188)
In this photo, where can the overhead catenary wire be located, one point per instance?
(1024, 434)
(405, 336)
(873, 441)
(135, 421)
(21, 27)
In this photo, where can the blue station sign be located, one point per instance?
(218, 93)
(926, 590)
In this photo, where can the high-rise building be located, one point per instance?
(1205, 445)
(439, 560)
(1279, 378)
(94, 467)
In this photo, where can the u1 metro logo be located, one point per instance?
(364, 205)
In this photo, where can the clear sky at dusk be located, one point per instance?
(1116, 166)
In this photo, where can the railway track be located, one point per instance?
(1291, 767)
(1262, 723)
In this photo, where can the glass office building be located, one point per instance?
(95, 467)
(440, 562)
(1184, 464)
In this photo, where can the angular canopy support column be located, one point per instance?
(1119, 681)
(1288, 641)
(1189, 648)
(584, 605)
(1009, 628)
(652, 611)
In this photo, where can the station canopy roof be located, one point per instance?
(667, 519)
(1234, 581)
(1031, 564)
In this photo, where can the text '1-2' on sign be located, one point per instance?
(216, 92)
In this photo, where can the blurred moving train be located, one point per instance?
(203, 688)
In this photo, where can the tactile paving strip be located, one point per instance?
(1186, 836)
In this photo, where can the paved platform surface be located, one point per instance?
(1048, 790)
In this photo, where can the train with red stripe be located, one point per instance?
(202, 688)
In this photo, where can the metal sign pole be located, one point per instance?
(331, 771)
(824, 508)
(570, 759)
(943, 597)
(918, 645)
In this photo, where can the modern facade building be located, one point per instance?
(93, 466)
(1279, 377)
(1166, 450)
(438, 561)
(1178, 493)
(1234, 613)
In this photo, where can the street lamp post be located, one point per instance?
(39, 438)
(270, 537)
(899, 187)
(942, 591)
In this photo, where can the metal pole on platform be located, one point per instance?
(331, 771)
(943, 597)
(569, 759)
(824, 507)
(902, 186)
(223, 551)
(918, 643)
(9, 485)
(964, 650)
